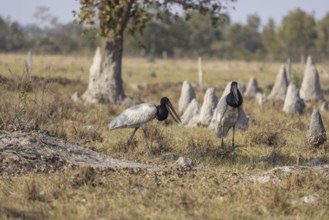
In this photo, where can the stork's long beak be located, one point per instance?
(235, 94)
(173, 112)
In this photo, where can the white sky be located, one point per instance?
(23, 10)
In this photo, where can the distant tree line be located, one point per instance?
(59, 38)
(297, 36)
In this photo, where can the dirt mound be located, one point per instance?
(208, 107)
(252, 88)
(191, 114)
(186, 96)
(280, 86)
(317, 133)
(38, 152)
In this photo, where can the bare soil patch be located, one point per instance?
(38, 152)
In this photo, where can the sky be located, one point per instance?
(23, 10)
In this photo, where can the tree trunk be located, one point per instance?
(105, 82)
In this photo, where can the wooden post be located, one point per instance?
(29, 63)
(289, 73)
(200, 72)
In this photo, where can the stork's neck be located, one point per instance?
(231, 101)
(162, 112)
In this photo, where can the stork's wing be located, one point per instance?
(134, 116)
(220, 108)
(221, 111)
(218, 113)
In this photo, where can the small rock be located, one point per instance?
(310, 198)
(184, 162)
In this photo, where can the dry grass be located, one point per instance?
(218, 189)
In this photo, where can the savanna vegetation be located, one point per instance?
(272, 177)
(216, 188)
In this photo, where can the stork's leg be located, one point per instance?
(233, 146)
(132, 135)
(146, 142)
(222, 127)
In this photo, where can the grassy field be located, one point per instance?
(216, 189)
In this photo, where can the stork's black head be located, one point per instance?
(234, 98)
(163, 101)
(164, 108)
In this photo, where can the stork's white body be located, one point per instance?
(135, 116)
(226, 117)
(242, 121)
